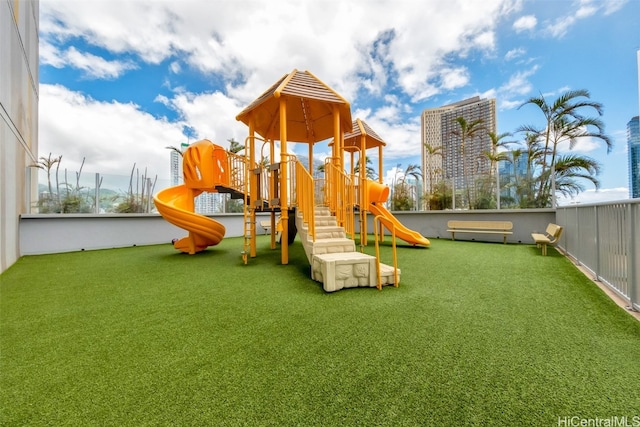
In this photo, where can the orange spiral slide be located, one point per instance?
(203, 164)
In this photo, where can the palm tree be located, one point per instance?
(234, 146)
(369, 171)
(513, 156)
(495, 156)
(46, 164)
(564, 122)
(401, 200)
(175, 149)
(50, 204)
(466, 133)
(535, 153)
(431, 151)
(568, 168)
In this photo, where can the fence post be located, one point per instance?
(597, 242)
(96, 207)
(632, 269)
(148, 184)
(29, 191)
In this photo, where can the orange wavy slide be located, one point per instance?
(378, 194)
(387, 218)
(175, 204)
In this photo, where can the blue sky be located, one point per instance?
(121, 80)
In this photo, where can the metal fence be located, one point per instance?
(605, 239)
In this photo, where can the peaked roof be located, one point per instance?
(360, 129)
(310, 106)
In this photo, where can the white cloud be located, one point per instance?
(583, 10)
(596, 196)
(525, 23)
(94, 67)
(453, 78)
(510, 95)
(485, 40)
(146, 28)
(560, 27)
(402, 139)
(363, 50)
(582, 145)
(175, 67)
(515, 53)
(212, 115)
(613, 6)
(50, 55)
(252, 49)
(214, 37)
(105, 133)
(519, 83)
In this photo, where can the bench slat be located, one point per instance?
(485, 227)
(477, 230)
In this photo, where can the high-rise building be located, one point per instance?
(633, 141)
(442, 153)
(176, 165)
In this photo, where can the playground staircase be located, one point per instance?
(334, 259)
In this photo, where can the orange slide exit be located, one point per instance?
(378, 194)
(175, 204)
(204, 165)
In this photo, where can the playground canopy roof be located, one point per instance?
(309, 107)
(360, 129)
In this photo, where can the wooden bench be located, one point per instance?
(549, 237)
(266, 225)
(487, 227)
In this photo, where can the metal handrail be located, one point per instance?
(605, 239)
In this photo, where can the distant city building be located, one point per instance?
(176, 165)
(446, 161)
(633, 141)
(511, 172)
(208, 203)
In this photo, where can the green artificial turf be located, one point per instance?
(476, 334)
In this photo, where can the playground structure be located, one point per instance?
(206, 167)
(322, 211)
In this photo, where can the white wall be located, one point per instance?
(19, 22)
(44, 234)
(433, 224)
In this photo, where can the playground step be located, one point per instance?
(324, 232)
(333, 257)
(324, 221)
(387, 274)
(349, 270)
(329, 232)
(322, 211)
(327, 246)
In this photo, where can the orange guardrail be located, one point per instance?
(340, 197)
(378, 220)
(305, 198)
